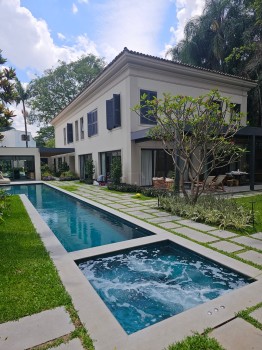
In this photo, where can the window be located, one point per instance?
(144, 117)
(106, 159)
(113, 116)
(25, 137)
(64, 131)
(69, 129)
(76, 131)
(82, 133)
(92, 123)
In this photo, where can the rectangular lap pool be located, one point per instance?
(77, 224)
(142, 286)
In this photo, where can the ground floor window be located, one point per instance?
(83, 158)
(18, 167)
(106, 159)
(155, 163)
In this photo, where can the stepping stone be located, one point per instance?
(222, 233)
(141, 215)
(35, 330)
(257, 235)
(238, 335)
(226, 246)
(196, 235)
(74, 344)
(134, 207)
(161, 213)
(257, 314)
(151, 211)
(164, 219)
(248, 241)
(196, 225)
(252, 256)
(116, 206)
(169, 225)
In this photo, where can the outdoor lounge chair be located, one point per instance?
(4, 180)
(218, 183)
(207, 184)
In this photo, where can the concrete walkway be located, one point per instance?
(52, 324)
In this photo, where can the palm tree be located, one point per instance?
(22, 97)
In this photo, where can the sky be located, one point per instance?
(36, 34)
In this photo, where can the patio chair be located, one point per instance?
(4, 180)
(208, 182)
(218, 183)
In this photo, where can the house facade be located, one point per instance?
(100, 124)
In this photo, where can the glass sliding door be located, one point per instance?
(146, 167)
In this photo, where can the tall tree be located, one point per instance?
(7, 93)
(227, 37)
(45, 137)
(53, 91)
(22, 97)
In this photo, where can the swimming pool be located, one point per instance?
(145, 285)
(77, 224)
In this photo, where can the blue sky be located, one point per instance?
(35, 34)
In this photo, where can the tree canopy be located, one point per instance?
(7, 93)
(227, 37)
(196, 132)
(53, 91)
(45, 137)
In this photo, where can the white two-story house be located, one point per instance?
(100, 123)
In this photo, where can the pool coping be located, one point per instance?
(102, 326)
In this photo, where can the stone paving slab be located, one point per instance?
(160, 220)
(257, 315)
(196, 225)
(257, 235)
(222, 233)
(248, 241)
(38, 328)
(141, 214)
(169, 225)
(226, 246)
(161, 213)
(74, 344)
(134, 207)
(238, 335)
(196, 235)
(116, 206)
(151, 211)
(253, 256)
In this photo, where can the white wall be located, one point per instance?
(13, 138)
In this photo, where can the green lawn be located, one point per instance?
(29, 282)
(246, 201)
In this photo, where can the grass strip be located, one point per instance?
(29, 283)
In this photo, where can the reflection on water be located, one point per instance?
(76, 224)
(147, 285)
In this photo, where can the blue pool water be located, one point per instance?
(146, 285)
(76, 224)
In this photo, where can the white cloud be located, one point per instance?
(83, 1)
(61, 36)
(134, 24)
(27, 41)
(74, 8)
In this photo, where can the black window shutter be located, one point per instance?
(89, 124)
(70, 138)
(116, 110)
(109, 115)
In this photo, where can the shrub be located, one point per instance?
(146, 191)
(89, 170)
(116, 171)
(68, 176)
(212, 210)
(4, 203)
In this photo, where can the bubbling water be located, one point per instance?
(147, 285)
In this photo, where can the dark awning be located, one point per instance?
(140, 135)
(250, 131)
(49, 152)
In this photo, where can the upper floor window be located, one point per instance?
(113, 116)
(76, 130)
(70, 136)
(145, 117)
(92, 123)
(82, 132)
(25, 137)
